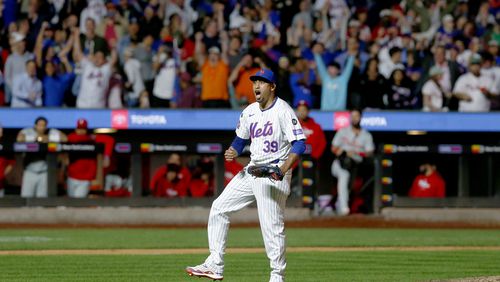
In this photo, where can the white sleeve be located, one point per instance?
(494, 90)
(460, 86)
(107, 69)
(336, 139)
(497, 79)
(9, 79)
(54, 135)
(291, 126)
(242, 129)
(29, 134)
(318, 5)
(427, 89)
(494, 86)
(18, 88)
(127, 68)
(369, 146)
(84, 62)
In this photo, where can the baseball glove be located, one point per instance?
(270, 171)
(346, 162)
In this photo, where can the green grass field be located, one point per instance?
(358, 265)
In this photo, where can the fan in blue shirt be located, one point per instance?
(55, 85)
(334, 83)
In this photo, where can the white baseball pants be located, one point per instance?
(34, 184)
(78, 188)
(342, 175)
(271, 197)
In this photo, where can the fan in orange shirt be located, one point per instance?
(240, 78)
(214, 69)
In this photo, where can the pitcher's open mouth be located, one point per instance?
(257, 94)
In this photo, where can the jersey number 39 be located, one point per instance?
(270, 146)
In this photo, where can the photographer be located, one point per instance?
(203, 183)
(351, 145)
(171, 180)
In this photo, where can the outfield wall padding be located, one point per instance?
(130, 216)
(466, 215)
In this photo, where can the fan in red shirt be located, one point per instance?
(202, 184)
(172, 179)
(231, 169)
(428, 184)
(315, 137)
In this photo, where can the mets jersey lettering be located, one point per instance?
(271, 131)
(255, 132)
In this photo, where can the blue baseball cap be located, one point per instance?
(264, 74)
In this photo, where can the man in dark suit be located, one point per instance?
(90, 42)
(451, 72)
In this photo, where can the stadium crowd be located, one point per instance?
(431, 55)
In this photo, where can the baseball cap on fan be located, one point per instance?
(354, 23)
(81, 123)
(214, 50)
(16, 37)
(265, 75)
(475, 59)
(385, 13)
(493, 42)
(435, 70)
(303, 103)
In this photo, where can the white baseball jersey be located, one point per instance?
(164, 85)
(30, 135)
(470, 84)
(271, 131)
(34, 181)
(348, 140)
(94, 84)
(132, 69)
(494, 74)
(432, 90)
(445, 81)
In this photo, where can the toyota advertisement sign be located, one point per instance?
(208, 119)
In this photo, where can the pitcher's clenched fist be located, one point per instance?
(230, 154)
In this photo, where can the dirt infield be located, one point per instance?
(351, 221)
(242, 250)
(372, 221)
(474, 279)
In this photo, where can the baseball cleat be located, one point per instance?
(203, 271)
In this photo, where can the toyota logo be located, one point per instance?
(119, 119)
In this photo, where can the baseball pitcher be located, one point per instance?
(277, 140)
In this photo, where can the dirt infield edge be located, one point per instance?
(352, 221)
(242, 250)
